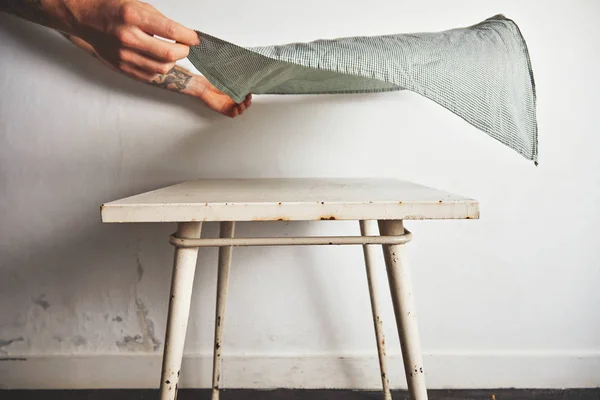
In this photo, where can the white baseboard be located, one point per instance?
(444, 370)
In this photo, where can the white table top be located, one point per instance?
(290, 199)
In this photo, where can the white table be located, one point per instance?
(389, 202)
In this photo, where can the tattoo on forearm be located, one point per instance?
(176, 79)
(31, 10)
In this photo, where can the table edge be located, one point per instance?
(209, 212)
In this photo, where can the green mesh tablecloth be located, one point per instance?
(481, 73)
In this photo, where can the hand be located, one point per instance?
(219, 101)
(122, 32)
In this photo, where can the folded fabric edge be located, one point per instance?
(238, 98)
(525, 49)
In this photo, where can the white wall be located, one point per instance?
(509, 300)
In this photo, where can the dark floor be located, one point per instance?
(192, 394)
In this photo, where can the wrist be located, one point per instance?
(196, 86)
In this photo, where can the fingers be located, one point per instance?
(150, 20)
(145, 52)
(140, 23)
(137, 73)
(239, 109)
(245, 104)
(157, 48)
(157, 24)
(144, 63)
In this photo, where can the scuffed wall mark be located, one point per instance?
(58, 339)
(12, 359)
(78, 340)
(140, 268)
(7, 342)
(146, 324)
(131, 343)
(117, 319)
(40, 301)
(147, 341)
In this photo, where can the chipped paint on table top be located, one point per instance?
(288, 200)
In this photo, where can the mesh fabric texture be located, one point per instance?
(481, 73)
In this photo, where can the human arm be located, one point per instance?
(180, 80)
